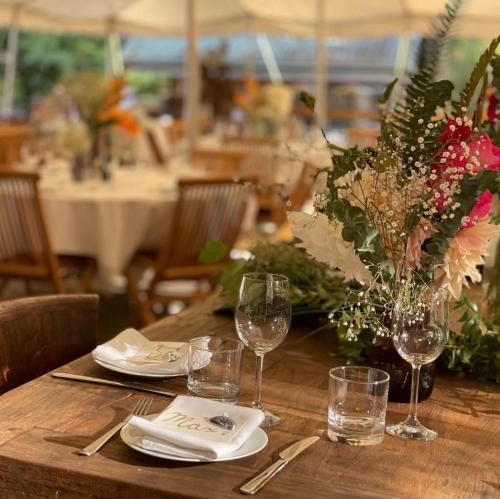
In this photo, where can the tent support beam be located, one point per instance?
(9, 81)
(191, 78)
(320, 66)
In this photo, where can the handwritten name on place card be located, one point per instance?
(192, 424)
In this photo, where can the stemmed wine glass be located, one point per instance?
(420, 332)
(262, 317)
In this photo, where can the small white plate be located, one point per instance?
(257, 441)
(131, 372)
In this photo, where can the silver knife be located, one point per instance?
(130, 384)
(286, 455)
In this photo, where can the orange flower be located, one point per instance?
(249, 96)
(119, 117)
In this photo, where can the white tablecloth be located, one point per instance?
(110, 221)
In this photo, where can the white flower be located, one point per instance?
(323, 241)
(320, 186)
(466, 251)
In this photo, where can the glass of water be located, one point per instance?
(215, 368)
(420, 333)
(263, 315)
(357, 405)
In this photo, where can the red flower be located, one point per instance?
(455, 159)
(481, 209)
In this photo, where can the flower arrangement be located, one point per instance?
(78, 109)
(97, 102)
(267, 106)
(413, 213)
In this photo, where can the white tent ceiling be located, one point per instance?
(168, 17)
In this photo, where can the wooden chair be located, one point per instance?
(12, 139)
(219, 162)
(207, 210)
(155, 148)
(252, 143)
(40, 334)
(25, 249)
(362, 137)
(274, 203)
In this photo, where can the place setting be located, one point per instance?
(206, 425)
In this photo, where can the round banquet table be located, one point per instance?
(111, 220)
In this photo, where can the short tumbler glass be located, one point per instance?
(215, 368)
(357, 405)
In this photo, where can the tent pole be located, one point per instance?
(10, 69)
(114, 55)
(191, 78)
(320, 73)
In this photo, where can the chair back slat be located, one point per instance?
(218, 162)
(250, 143)
(42, 333)
(207, 210)
(24, 239)
(19, 217)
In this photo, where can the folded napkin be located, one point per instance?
(184, 428)
(131, 350)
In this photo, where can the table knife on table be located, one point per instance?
(286, 455)
(129, 384)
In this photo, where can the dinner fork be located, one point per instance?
(140, 409)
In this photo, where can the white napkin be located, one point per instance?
(131, 350)
(183, 428)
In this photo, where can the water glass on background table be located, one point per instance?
(263, 315)
(215, 368)
(357, 405)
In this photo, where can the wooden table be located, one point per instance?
(44, 422)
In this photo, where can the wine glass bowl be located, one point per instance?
(420, 333)
(262, 319)
(420, 343)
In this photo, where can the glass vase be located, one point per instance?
(385, 357)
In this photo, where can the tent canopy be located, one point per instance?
(299, 17)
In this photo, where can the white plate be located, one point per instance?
(131, 372)
(257, 441)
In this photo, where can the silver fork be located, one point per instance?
(140, 409)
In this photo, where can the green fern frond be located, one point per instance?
(476, 76)
(423, 94)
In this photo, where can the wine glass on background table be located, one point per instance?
(420, 334)
(263, 315)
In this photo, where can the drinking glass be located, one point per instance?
(357, 405)
(262, 317)
(215, 368)
(420, 333)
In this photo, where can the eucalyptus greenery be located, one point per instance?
(314, 287)
(475, 348)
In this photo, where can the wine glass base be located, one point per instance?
(411, 430)
(270, 420)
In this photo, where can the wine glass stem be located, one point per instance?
(415, 381)
(258, 377)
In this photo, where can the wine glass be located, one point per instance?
(262, 317)
(420, 333)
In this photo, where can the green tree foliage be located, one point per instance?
(44, 57)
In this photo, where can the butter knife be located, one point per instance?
(130, 384)
(286, 455)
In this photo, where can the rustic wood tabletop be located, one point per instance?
(44, 423)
